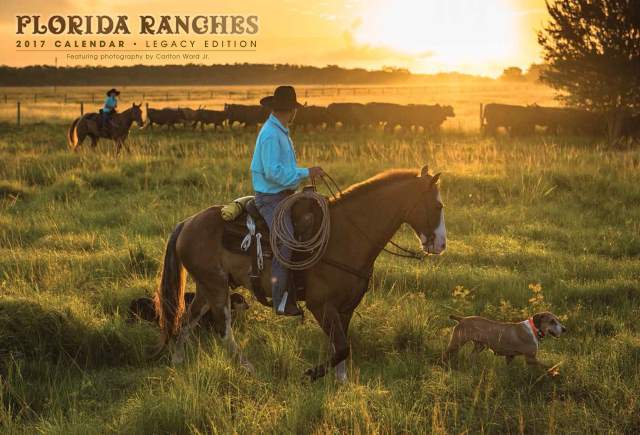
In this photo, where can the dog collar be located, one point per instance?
(536, 332)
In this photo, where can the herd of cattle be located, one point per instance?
(521, 120)
(350, 115)
(516, 120)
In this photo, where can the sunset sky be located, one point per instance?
(470, 36)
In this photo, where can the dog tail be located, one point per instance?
(456, 318)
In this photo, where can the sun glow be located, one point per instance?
(453, 34)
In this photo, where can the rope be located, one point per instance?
(283, 237)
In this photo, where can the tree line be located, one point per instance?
(223, 74)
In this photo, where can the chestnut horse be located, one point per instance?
(364, 218)
(87, 125)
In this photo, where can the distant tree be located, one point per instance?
(534, 72)
(512, 74)
(592, 48)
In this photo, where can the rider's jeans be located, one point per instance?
(267, 204)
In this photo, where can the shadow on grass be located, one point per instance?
(33, 331)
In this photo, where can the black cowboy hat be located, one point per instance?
(117, 92)
(283, 98)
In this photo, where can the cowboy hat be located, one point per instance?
(117, 92)
(283, 98)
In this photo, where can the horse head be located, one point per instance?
(427, 216)
(136, 113)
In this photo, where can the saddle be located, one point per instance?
(97, 118)
(247, 233)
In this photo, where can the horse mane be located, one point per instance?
(376, 181)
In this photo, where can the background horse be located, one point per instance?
(88, 125)
(333, 287)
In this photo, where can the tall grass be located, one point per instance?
(537, 223)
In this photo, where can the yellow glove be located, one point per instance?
(231, 211)
(234, 209)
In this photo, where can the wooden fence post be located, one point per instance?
(146, 106)
(480, 116)
(188, 95)
(35, 98)
(65, 98)
(18, 113)
(81, 108)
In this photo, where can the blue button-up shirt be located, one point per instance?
(110, 103)
(274, 167)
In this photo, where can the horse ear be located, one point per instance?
(435, 178)
(425, 171)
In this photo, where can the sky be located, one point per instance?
(426, 36)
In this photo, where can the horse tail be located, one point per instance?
(170, 294)
(72, 134)
(456, 318)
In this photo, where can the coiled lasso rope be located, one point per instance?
(281, 236)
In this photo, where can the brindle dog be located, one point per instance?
(363, 220)
(87, 125)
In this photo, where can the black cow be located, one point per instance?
(517, 120)
(245, 114)
(564, 120)
(205, 116)
(166, 116)
(350, 115)
(429, 117)
(314, 116)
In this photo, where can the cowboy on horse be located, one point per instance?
(275, 175)
(109, 108)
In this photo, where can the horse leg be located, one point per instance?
(196, 310)
(331, 323)
(341, 367)
(216, 290)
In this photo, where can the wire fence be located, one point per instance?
(55, 104)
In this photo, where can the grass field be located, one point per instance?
(537, 223)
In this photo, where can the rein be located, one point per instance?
(404, 252)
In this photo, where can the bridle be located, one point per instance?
(334, 189)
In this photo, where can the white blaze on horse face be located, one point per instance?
(439, 242)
